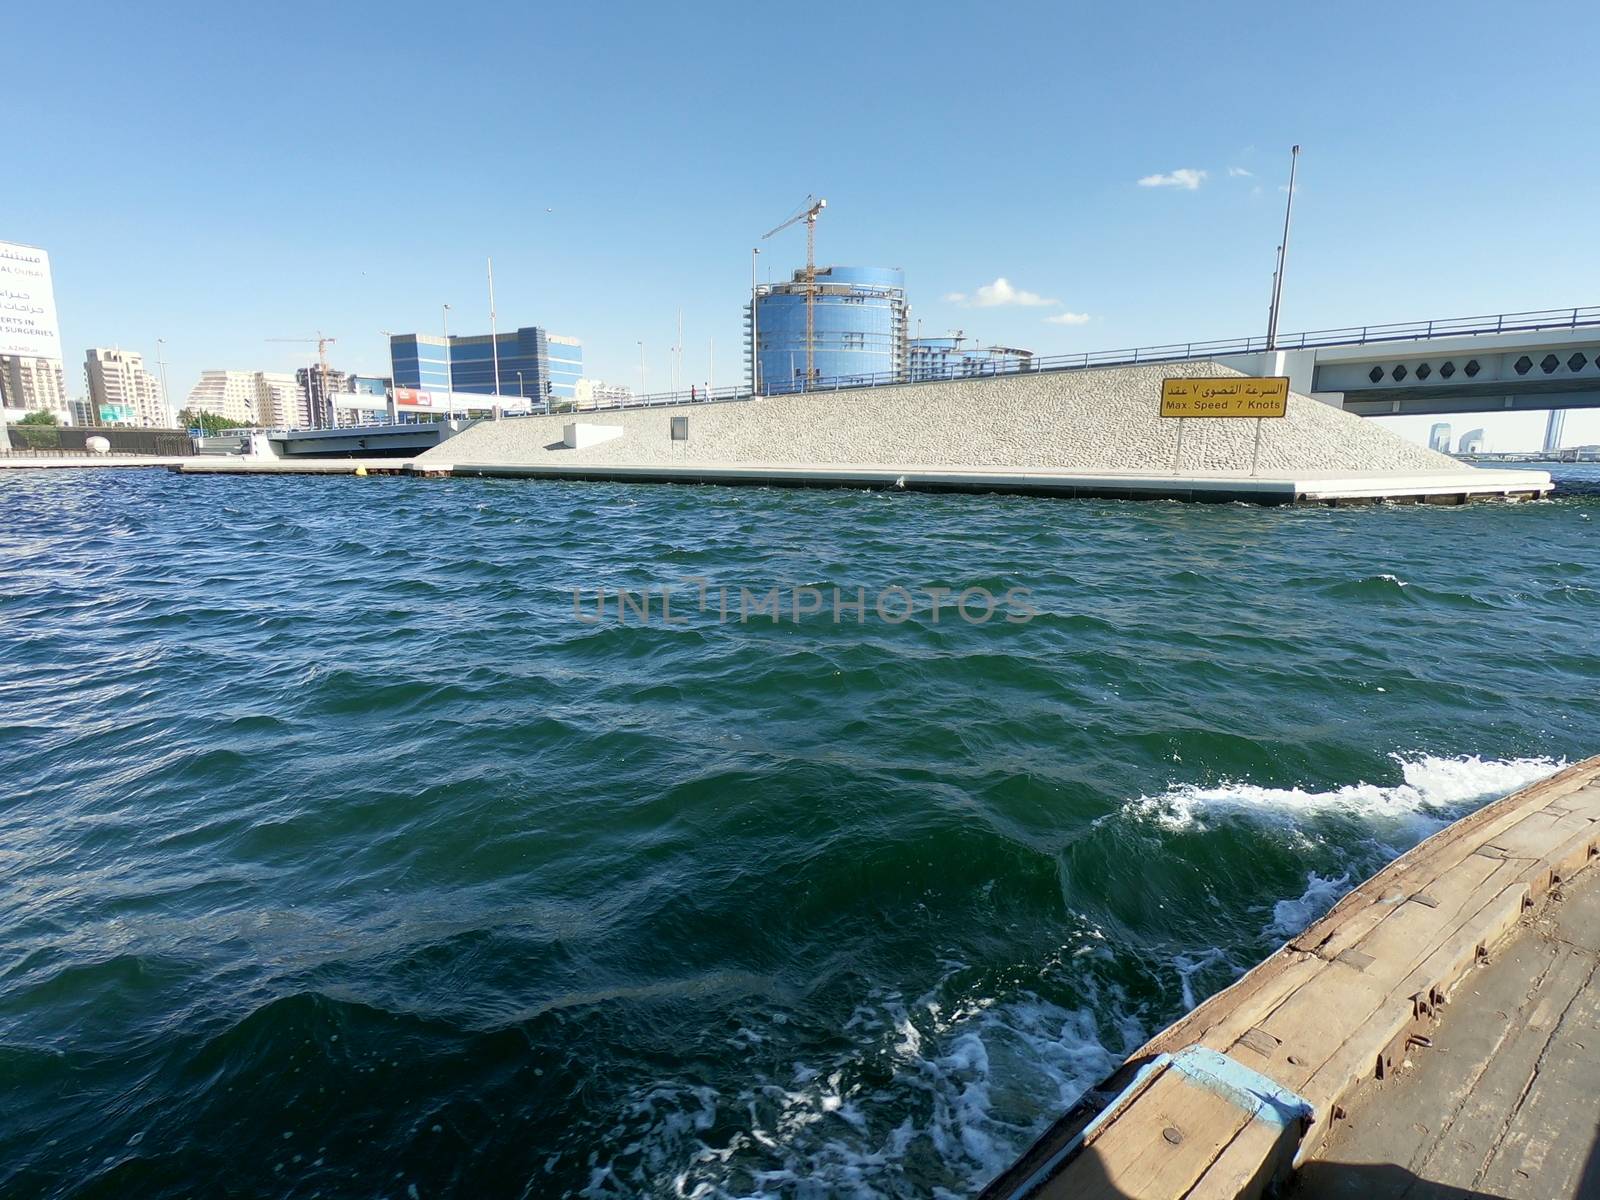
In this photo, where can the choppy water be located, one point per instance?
(338, 858)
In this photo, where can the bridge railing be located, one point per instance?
(1352, 335)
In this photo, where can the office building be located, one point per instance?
(1472, 442)
(951, 358)
(533, 363)
(121, 391)
(1439, 437)
(32, 384)
(859, 317)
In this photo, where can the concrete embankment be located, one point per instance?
(1093, 433)
(1309, 1060)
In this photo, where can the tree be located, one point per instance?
(208, 423)
(39, 417)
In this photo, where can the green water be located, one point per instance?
(339, 857)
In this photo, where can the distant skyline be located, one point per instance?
(1051, 178)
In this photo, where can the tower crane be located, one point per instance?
(810, 209)
(322, 365)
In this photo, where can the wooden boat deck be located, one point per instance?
(1505, 1102)
(1226, 1101)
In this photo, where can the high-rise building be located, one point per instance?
(32, 384)
(280, 402)
(230, 395)
(1554, 427)
(952, 358)
(319, 394)
(121, 391)
(1439, 437)
(31, 376)
(533, 363)
(859, 317)
(1472, 442)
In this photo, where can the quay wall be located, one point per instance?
(1104, 420)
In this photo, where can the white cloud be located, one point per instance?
(1069, 318)
(1000, 294)
(1240, 173)
(1186, 178)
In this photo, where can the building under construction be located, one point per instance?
(859, 318)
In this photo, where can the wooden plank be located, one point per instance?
(1546, 1144)
(1417, 869)
(1352, 1065)
(1400, 1122)
(1157, 1149)
(1313, 1023)
(1538, 833)
(1564, 861)
(1400, 943)
(1251, 1162)
(1218, 1021)
(1470, 1141)
(1455, 955)
(1585, 800)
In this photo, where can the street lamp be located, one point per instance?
(641, 370)
(161, 361)
(449, 376)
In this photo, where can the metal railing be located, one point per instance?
(1352, 335)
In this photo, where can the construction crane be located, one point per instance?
(322, 363)
(809, 210)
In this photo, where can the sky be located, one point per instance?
(1057, 176)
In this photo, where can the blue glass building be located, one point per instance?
(859, 328)
(530, 359)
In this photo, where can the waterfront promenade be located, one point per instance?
(1436, 1034)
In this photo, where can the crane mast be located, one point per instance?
(810, 209)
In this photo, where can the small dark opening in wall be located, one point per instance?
(680, 429)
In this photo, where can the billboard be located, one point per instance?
(27, 303)
(411, 400)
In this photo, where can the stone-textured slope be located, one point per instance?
(1101, 420)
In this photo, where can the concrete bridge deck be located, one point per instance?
(1437, 1034)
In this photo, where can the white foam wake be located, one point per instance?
(1432, 791)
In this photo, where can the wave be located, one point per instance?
(951, 1078)
(1433, 790)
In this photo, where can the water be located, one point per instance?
(339, 859)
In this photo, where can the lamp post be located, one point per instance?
(1283, 255)
(161, 362)
(641, 370)
(449, 377)
(755, 362)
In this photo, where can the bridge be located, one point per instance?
(1514, 362)
(1504, 362)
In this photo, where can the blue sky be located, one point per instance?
(219, 175)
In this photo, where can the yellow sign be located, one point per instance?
(1225, 397)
